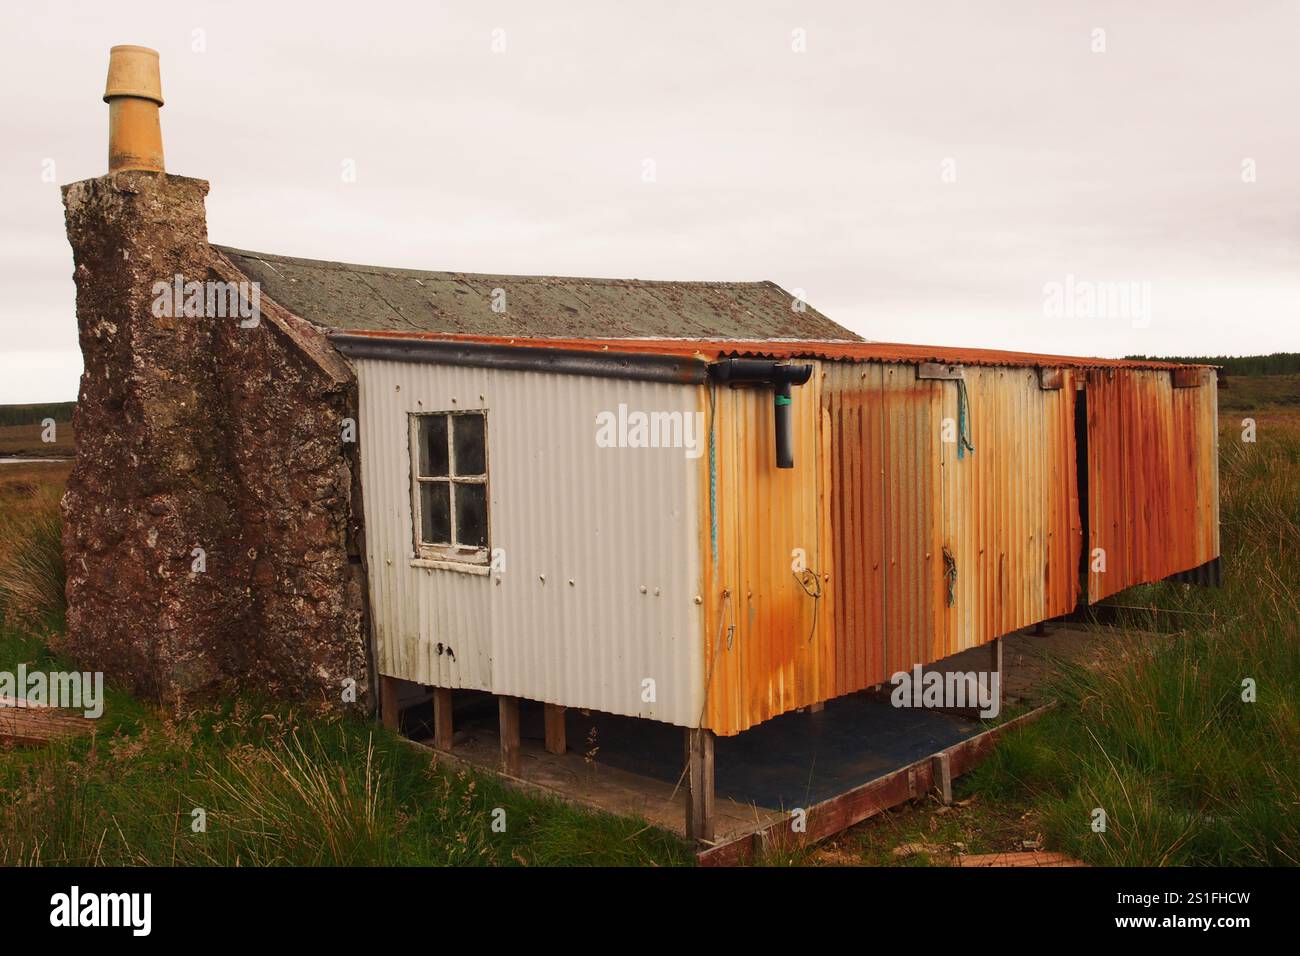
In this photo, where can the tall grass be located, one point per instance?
(31, 558)
(271, 784)
(1163, 740)
(245, 785)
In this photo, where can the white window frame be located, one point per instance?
(452, 556)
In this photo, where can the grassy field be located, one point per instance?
(23, 431)
(1186, 771)
(1262, 394)
(24, 441)
(251, 785)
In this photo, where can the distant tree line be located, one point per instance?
(1278, 363)
(35, 414)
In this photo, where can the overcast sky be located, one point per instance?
(924, 172)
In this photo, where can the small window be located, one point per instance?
(450, 492)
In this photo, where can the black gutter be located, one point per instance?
(637, 366)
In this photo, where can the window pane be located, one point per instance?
(471, 450)
(433, 446)
(471, 515)
(435, 512)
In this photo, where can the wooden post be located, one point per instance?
(941, 764)
(995, 667)
(508, 717)
(442, 725)
(699, 784)
(388, 713)
(555, 739)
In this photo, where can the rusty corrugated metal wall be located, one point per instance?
(1011, 508)
(885, 510)
(1153, 480)
(877, 500)
(877, 495)
(769, 637)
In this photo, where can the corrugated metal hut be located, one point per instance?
(701, 504)
(773, 519)
(937, 501)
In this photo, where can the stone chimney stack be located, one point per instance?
(208, 532)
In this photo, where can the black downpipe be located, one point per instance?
(784, 433)
(781, 377)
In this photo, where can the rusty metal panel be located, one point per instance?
(1152, 478)
(601, 569)
(913, 558)
(891, 496)
(885, 509)
(855, 411)
(1010, 509)
(863, 505)
(769, 629)
(1191, 377)
(1051, 377)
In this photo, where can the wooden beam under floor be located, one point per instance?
(699, 784)
(508, 718)
(388, 712)
(995, 666)
(442, 723)
(556, 743)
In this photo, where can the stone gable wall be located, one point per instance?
(198, 432)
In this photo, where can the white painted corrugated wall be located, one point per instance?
(621, 524)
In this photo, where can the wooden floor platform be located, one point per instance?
(796, 779)
(792, 780)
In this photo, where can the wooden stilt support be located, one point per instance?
(508, 716)
(995, 667)
(699, 784)
(388, 713)
(555, 739)
(941, 766)
(442, 724)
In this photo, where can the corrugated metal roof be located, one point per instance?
(711, 349)
(339, 295)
